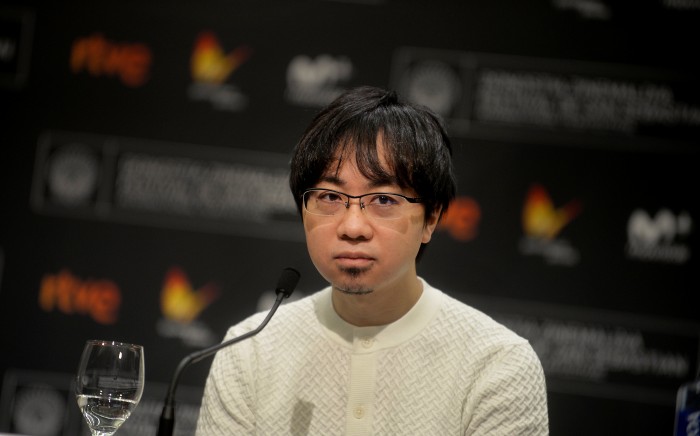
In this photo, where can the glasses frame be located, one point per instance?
(413, 200)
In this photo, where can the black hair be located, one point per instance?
(417, 149)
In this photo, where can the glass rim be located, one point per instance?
(409, 199)
(114, 343)
(366, 208)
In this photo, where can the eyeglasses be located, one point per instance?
(382, 205)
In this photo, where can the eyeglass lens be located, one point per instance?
(377, 205)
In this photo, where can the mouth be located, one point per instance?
(353, 260)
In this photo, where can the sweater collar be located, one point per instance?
(370, 339)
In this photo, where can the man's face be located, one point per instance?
(359, 254)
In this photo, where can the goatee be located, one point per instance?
(353, 289)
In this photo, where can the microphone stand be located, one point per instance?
(284, 289)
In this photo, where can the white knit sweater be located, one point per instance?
(444, 368)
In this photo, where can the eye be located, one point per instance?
(330, 197)
(383, 200)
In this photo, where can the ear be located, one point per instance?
(430, 224)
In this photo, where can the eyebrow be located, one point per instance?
(331, 179)
(373, 183)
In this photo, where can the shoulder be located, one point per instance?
(474, 322)
(476, 333)
(497, 353)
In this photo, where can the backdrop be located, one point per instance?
(143, 167)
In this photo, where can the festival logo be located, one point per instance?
(438, 79)
(38, 403)
(433, 83)
(462, 219)
(181, 304)
(543, 222)
(315, 82)
(66, 293)
(73, 174)
(211, 67)
(100, 57)
(661, 238)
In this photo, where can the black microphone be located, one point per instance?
(285, 286)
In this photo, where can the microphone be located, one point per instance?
(285, 286)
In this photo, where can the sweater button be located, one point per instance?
(359, 412)
(367, 342)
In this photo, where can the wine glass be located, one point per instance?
(109, 384)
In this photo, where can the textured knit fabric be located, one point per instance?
(444, 368)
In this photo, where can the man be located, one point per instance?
(380, 351)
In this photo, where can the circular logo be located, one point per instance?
(433, 84)
(38, 411)
(72, 174)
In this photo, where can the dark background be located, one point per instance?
(604, 114)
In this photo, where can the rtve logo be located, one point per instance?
(71, 295)
(130, 62)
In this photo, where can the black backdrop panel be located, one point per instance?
(143, 166)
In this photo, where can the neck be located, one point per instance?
(381, 307)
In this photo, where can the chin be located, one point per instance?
(354, 291)
(350, 281)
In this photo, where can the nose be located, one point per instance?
(354, 223)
